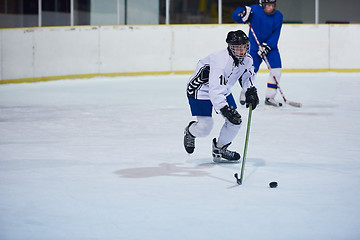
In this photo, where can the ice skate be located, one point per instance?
(223, 155)
(189, 139)
(272, 102)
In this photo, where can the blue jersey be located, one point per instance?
(267, 28)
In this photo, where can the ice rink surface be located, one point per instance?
(103, 158)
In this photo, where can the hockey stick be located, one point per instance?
(236, 175)
(291, 103)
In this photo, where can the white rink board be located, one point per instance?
(305, 47)
(70, 50)
(191, 43)
(81, 50)
(1, 50)
(344, 50)
(134, 49)
(17, 59)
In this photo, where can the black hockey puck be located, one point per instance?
(273, 184)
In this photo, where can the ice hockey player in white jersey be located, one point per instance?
(209, 88)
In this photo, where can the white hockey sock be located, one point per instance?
(227, 133)
(202, 127)
(271, 86)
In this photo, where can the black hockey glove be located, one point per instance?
(246, 14)
(251, 97)
(231, 114)
(263, 50)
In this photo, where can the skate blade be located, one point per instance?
(221, 160)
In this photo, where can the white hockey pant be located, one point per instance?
(271, 86)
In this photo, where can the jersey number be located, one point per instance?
(223, 81)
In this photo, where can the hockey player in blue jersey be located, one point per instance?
(209, 88)
(266, 22)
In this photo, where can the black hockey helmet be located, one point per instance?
(237, 38)
(238, 43)
(264, 2)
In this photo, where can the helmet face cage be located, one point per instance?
(238, 44)
(239, 51)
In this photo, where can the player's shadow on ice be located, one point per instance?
(166, 169)
(179, 170)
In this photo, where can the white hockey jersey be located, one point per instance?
(216, 74)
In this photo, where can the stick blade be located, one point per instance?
(294, 104)
(238, 180)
